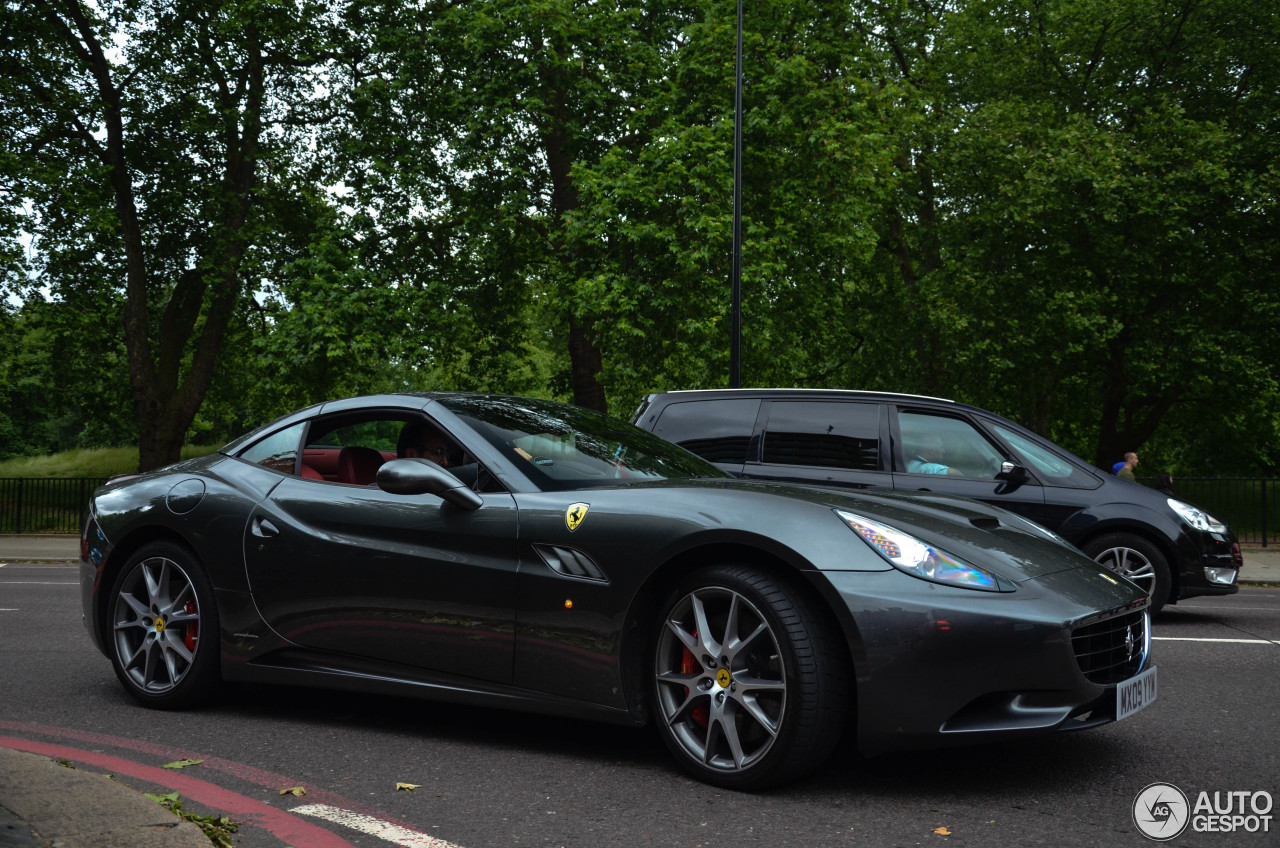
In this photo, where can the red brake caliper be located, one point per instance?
(193, 627)
(689, 665)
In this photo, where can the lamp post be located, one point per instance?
(735, 272)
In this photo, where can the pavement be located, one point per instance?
(45, 804)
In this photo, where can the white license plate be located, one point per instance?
(1136, 693)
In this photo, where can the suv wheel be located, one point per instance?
(1138, 560)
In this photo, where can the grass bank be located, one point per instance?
(88, 462)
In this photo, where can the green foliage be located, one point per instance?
(1090, 250)
(1065, 211)
(219, 829)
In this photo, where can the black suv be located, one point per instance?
(910, 443)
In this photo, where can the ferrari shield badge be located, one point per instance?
(574, 514)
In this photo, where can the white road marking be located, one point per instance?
(1198, 607)
(37, 583)
(374, 827)
(1196, 639)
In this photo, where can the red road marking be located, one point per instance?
(288, 827)
(242, 771)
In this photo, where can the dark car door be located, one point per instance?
(407, 579)
(952, 454)
(822, 442)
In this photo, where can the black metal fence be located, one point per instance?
(45, 505)
(1249, 505)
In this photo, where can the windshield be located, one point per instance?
(564, 447)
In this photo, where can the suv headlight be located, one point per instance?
(1197, 518)
(907, 553)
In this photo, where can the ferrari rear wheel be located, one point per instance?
(749, 685)
(164, 628)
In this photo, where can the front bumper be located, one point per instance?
(1209, 564)
(93, 557)
(938, 665)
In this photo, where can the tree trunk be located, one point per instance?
(585, 360)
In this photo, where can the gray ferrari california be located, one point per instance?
(528, 554)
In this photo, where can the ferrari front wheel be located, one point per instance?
(163, 628)
(749, 685)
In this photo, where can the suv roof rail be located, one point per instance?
(823, 391)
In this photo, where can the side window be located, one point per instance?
(379, 435)
(937, 444)
(350, 448)
(278, 451)
(1054, 469)
(829, 435)
(716, 430)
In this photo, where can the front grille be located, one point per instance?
(1112, 650)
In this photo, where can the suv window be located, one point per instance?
(1052, 468)
(938, 444)
(823, 434)
(716, 430)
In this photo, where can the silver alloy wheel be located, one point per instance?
(721, 682)
(1131, 563)
(156, 625)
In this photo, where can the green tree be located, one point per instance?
(471, 120)
(655, 224)
(1090, 222)
(138, 138)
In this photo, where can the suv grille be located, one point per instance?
(1112, 650)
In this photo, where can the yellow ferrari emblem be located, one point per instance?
(159, 625)
(574, 514)
(724, 678)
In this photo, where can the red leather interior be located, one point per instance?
(358, 465)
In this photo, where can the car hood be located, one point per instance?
(978, 533)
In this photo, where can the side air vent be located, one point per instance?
(570, 563)
(985, 523)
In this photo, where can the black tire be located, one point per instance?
(1137, 559)
(162, 628)
(750, 687)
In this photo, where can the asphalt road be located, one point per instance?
(488, 778)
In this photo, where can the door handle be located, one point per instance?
(264, 529)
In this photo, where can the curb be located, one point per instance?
(44, 804)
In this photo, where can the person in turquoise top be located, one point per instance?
(924, 461)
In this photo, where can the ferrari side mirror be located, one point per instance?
(417, 476)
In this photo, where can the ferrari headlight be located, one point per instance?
(1197, 518)
(907, 553)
